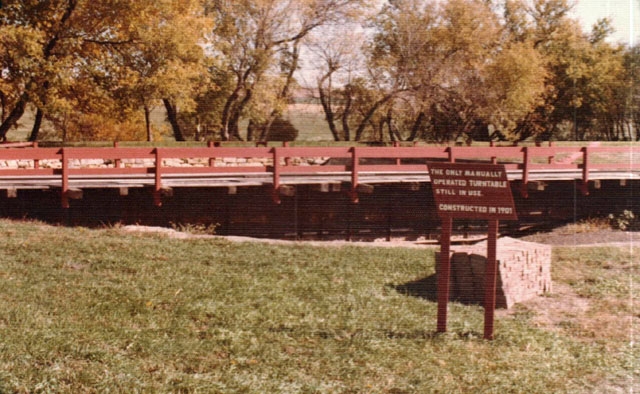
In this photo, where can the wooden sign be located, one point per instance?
(472, 191)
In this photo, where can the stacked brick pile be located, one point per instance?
(524, 272)
(185, 162)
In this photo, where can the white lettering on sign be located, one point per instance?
(483, 174)
(450, 182)
(494, 184)
(463, 208)
(472, 191)
(446, 192)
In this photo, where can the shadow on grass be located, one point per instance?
(427, 289)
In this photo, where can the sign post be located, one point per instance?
(470, 191)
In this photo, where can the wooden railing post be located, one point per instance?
(65, 178)
(452, 157)
(117, 163)
(212, 160)
(355, 164)
(287, 159)
(524, 187)
(157, 192)
(585, 171)
(276, 175)
(36, 162)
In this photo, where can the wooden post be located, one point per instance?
(490, 280)
(65, 179)
(585, 171)
(524, 191)
(444, 268)
(212, 160)
(157, 195)
(355, 164)
(117, 161)
(275, 193)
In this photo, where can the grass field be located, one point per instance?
(307, 118)
(104, 311)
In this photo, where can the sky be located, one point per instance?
(619, 11)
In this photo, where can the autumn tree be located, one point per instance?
(79, 62)
(631, 92)
(454, 69)
(260, 40)
(482, 69)
(165, 60)
(44, 36)
(583, 71)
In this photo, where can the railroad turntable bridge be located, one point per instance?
(290, 190)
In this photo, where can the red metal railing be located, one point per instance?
(277, 163)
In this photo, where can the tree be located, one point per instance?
(260, 37)
(165, 62)
(77, 58)
(582, 71)
(42, 30)
(343, 89)
(631, 90)
(454, 70)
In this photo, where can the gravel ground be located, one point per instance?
(562, 236)
(565, 237)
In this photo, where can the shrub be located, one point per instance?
(624, 221)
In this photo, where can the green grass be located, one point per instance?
(99, 310)
(308, 119)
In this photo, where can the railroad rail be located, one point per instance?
(72, 169)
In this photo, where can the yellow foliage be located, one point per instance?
(95, 127)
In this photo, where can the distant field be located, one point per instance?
(103, 311)
(310, 121)
(307, 118)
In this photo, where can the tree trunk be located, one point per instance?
(14, 116)
(266, 129)
(35, 130)
(370, 113)
(416, 126)
(172, 116)
(233, 126)
(346, 130)
(251, 129)
(295, 60)
(147, 123)
(325, 101)
(3, 106)
(226, 114)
